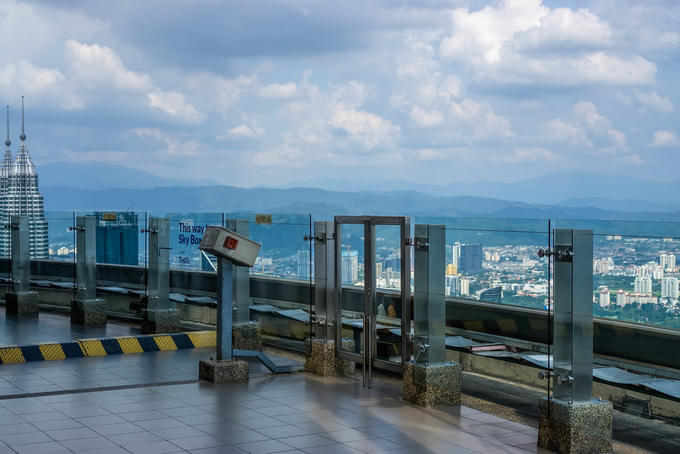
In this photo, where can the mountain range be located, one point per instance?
(96, 186)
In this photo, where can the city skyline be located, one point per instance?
(408, 90)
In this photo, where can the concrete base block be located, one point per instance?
(247, 336)
(226, 371)
(22, 303)
(160, 321)
(89, 312)
(432, 386)
(581, 427)
(322, 361)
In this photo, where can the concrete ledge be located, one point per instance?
(432, 386)
(227, 371)
(22, 303)
(581, 427)
(88, 312)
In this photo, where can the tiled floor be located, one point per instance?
(54, 327)
(99, 372)
(291, 413)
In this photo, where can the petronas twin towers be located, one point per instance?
(19, 195)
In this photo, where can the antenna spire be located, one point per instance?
(23, 135)
(8, 142)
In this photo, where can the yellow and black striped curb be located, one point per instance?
(82, 348)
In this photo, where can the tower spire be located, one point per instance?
(8, 142)
(23, 135)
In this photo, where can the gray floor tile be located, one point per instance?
(282, 431)
(159, 447)
(50, 447)
(264, 447)
(204, 441)
(134, 438)
(306, 441)
(88, 444)
(24, 438)
(72, 434)
(337, 448)
(177, 432)
(117, 429)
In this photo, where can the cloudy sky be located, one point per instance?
(269, 92)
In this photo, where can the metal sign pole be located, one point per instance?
(225, 275)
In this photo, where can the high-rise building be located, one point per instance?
(455, 254)
(303, 264)
(20, 196)
(470, 261)
(643, 285)
(667, 262)
(117, 238)
(604, 297)
(492, 295)
(669, 287)
(350, 266)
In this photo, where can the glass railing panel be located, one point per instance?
(351, 299)
(286, 253)
(388, 280)
(495, 260)
(635, 270)
(186, 232)
(120, 240)
(60, 237)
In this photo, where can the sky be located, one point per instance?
(268, 92)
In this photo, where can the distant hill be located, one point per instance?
(89, 186)
(97, 175)
(319, 202)
(600, 189)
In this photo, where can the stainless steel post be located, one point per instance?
(225, 277)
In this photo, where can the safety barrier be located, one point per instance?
(81, 348)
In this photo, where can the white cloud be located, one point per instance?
(334, 119)
(426, 118)
(25, 77)
(480, 118)
(174, 104)
(665, 139)
(523, 41)
(43, 85)
(278, 91)
(585, 127)
(246, 131)
(101, 68)
(284, 156)
(369, 129)
(532, 154)
(654, 101)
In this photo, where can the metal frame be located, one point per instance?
(368, 358)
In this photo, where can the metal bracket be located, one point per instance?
(421, 243)
(76, 229)
(11, 226)
(148, 231)
(562, 254)
(565, 379)
(321, 237)
(545, 374)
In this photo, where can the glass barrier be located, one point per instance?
(351, 296)
(60, 237)
(120, 240)
(186, 232)
(635, 270)
(284, 320)
(495, 260)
